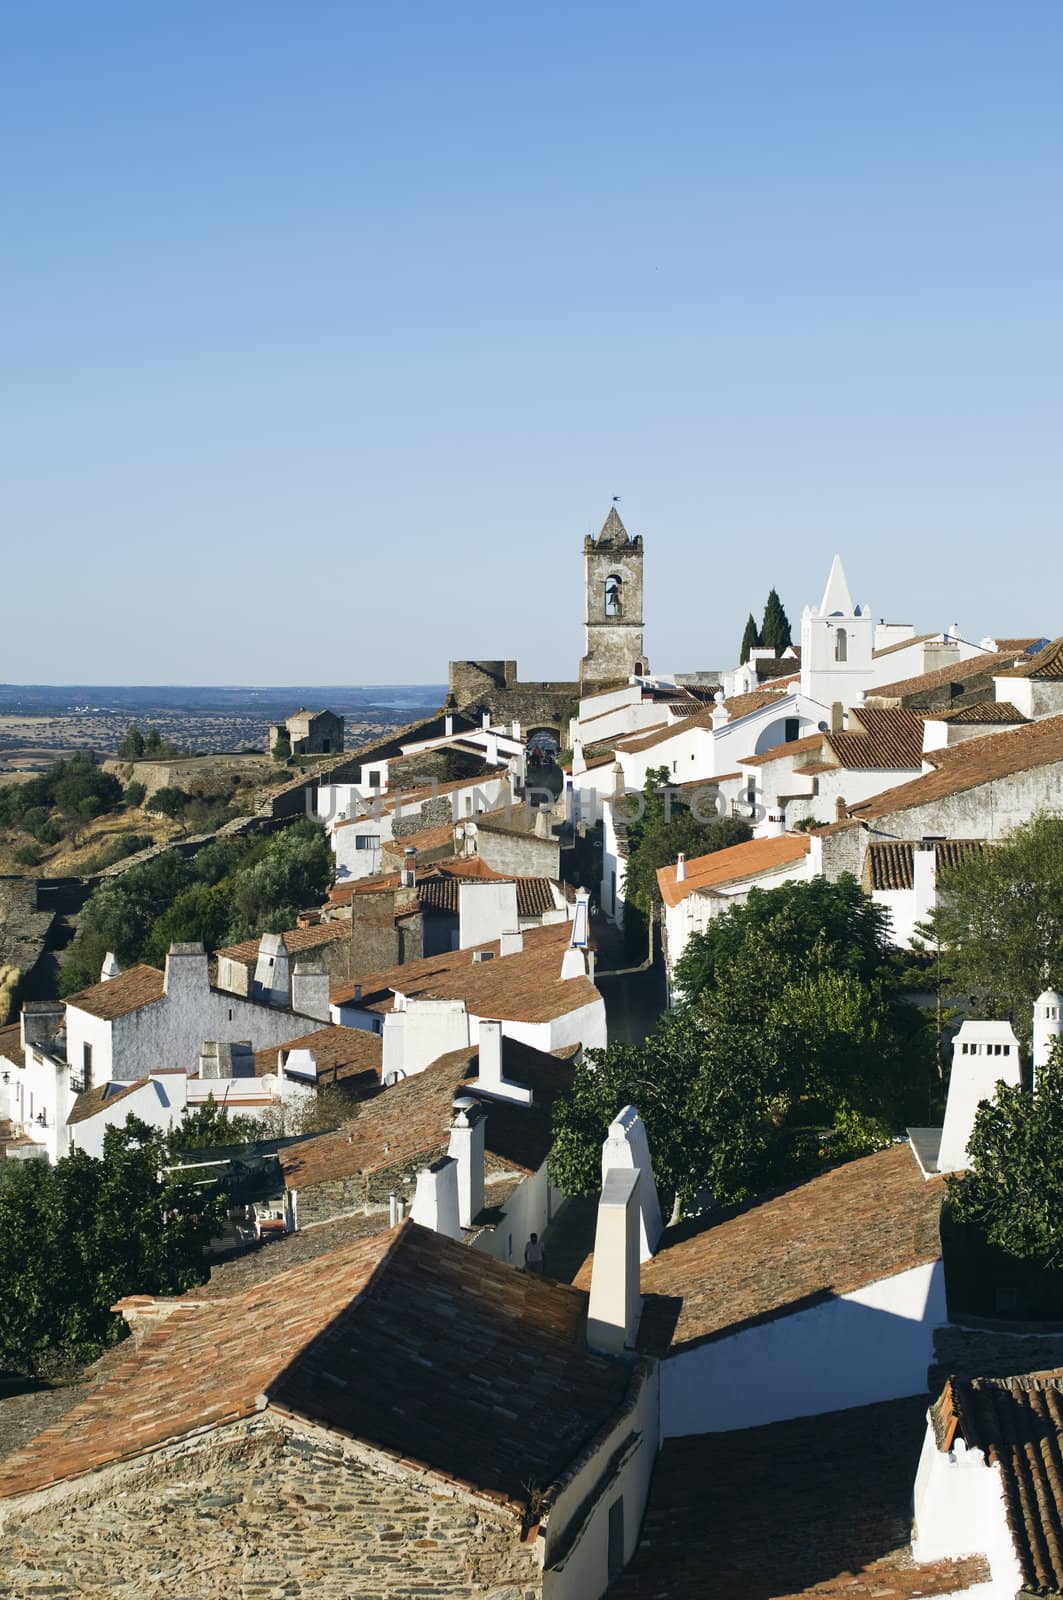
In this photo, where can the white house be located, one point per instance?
(359, 827)
(694, 892)
(539, 987)
(901, 875)
(752, 1329)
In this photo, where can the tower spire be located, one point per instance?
(836, 596)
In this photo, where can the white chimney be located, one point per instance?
(485, 719)
(490, 1070)
(924, 877)
(574, 963)
(421, 1032)
(680, 868)
(110, 968)
(408, 875)
(467, 1149)
(511, 943)
(514, 730)
(616, 1303)
(272, 971)
(435, 1204)
(720, 714)
(448, 725)
(1047, 1028)
(187, 972)
(983, 1055)
(310, 988)
(626, 1147)
(543, 827)
(954, 630)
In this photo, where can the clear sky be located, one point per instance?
(329, 329)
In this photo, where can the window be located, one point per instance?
(374, 780)
(367, 841)
(614, 595)
(841, 645)
(616, 1538)
(792, 729)
(86, 1063)
(326, 745)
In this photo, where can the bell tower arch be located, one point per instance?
(613, 595)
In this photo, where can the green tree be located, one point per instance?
(135, 793)
(775, 629)
(660, 845)
(848, 930)
(157, 748)
(169, 801)
(76, 1237)
(200, 915)
(131, 747)
(1013, 1192)
(750, 640)
(998, 924)
(293, 874)
(209, 1127)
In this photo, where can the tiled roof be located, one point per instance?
(904, 644)
(424, 839)
(413, 1118)
(11, 1043)
(841, 1231)
(888, 863)
(779, 752)
(880, 738)
(1046, 664)
(985, 712)
(439, 884)
(524, 987)
(513, 819)
(407, 1341)
(139, 986)
(993, 662)
(1019, 645)
(634, 744)
(965, 766)
(727, 866)
(340, 1053)
(820, 1506)
(89, 1101)
(1018, 1424)
(296, 941)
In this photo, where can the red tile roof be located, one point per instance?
(886, 738)
(341, 1054)
(820, 1507)
(992, 662)
(841, 1231)
(986, 712)
(524, 987)
(738, 861)
(779, 752)
(1018, 1424)
(889, 863)
(128, 992)
(411, 1343)
(966, 766)
(411, 1120)
(1047, 664)
(296, 941)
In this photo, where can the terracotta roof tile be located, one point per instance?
(879, 738)
(438, 887)
(986, 712)
(11, 1043)
(412, 1119)
(1047, 664)
(820, 1506)
(957, 672)
(966, 766)
(728, 866)
(424, 839)
(889, 864)
(407, 1341)
(340, 1054)
(129, 991)
(104, 1095)
(1018, 1424)
(779, 752)
(841, 1231)
(296, 941)
(524, 987)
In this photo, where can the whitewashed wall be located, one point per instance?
(874, 1344)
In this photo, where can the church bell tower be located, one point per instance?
(613, 630)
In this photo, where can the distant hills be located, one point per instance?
(403, 700)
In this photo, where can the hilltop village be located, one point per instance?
(581, 1187)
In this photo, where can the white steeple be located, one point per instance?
(836, 596)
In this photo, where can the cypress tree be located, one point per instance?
(750, 640)
(775, 629)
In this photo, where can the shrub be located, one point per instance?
(135, 793)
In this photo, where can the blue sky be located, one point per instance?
(329, 330)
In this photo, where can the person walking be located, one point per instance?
(534, 1259)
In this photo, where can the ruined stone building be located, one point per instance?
(310, 733)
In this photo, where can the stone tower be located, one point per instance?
(613, 569)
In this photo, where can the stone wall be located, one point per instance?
(186, 772)
(261, 1511)
(520, 855)
(341, 1197)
